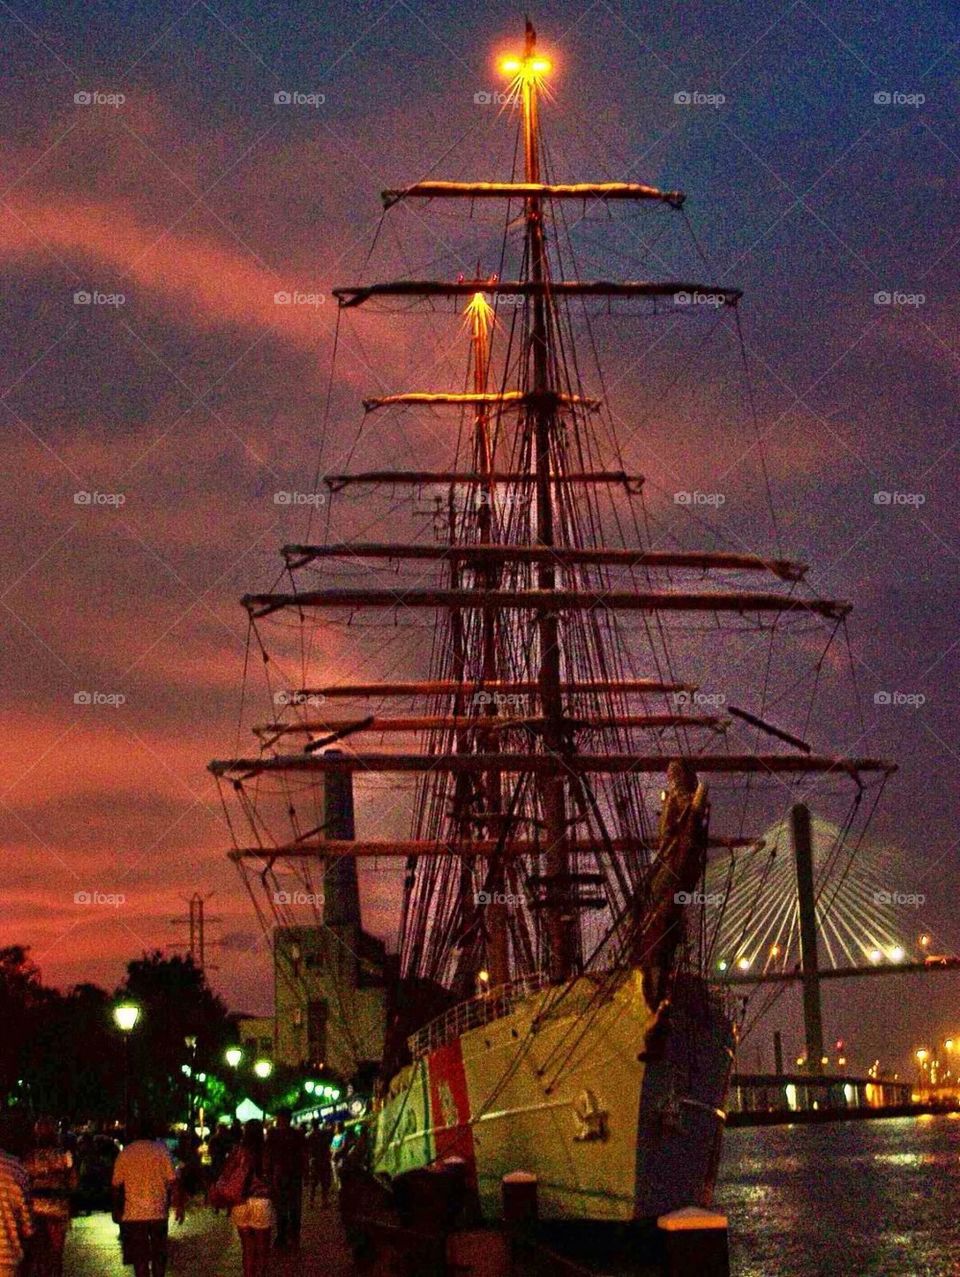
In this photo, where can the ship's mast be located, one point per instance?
(561, 934)
(480, 314)
(499, 793)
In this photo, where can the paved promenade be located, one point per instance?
(206, 1245)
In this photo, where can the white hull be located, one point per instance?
(556, 1087)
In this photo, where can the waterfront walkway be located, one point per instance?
(206, 1245)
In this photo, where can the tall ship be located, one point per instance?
(549, 776)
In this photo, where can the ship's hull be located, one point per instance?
(564, 1086)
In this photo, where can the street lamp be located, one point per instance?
(262, 1069)
(922, 1057)
(126, 1016)
(190, 1042)
(233, 1055)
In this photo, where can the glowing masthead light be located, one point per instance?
(530, 68)
(479, 308)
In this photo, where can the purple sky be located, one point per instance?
(196, 198)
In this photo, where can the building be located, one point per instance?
(331, 997)
(331, 980)
(255, 1033)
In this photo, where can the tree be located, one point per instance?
(73, 1058)
(176, 1004)
(22, 997)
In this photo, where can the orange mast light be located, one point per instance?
(526, 68)
(529, 69)
(479, 311)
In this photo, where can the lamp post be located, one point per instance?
(233, 1057)
(190, 1042)
(262, 1071)
(922, 1056)
(126, 1016)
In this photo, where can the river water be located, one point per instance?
(845, 1199)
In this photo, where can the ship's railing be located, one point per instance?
(482, 1009)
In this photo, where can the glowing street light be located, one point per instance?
(263, 1069)
(897, 953)
(126, 1015)
(233, 1055)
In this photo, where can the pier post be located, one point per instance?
(809, 962)
(694, 1241)
(519, 1192)
(777, 1053)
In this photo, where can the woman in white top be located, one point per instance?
(254, 1215)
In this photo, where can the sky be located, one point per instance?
(155, 196)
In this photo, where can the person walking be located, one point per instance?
(286, 1158)
(320, 1161)
(244, 1186)
(144, 1182)
(53, 1178)
(16, 1220)
(338, 1151)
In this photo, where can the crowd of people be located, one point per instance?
(260, 1176)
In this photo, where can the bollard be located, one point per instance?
(694, 1241)
(480, 1252)
(519, 1194)
(455, 1168)
(429, 1199)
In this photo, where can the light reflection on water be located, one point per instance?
(848, 1199)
